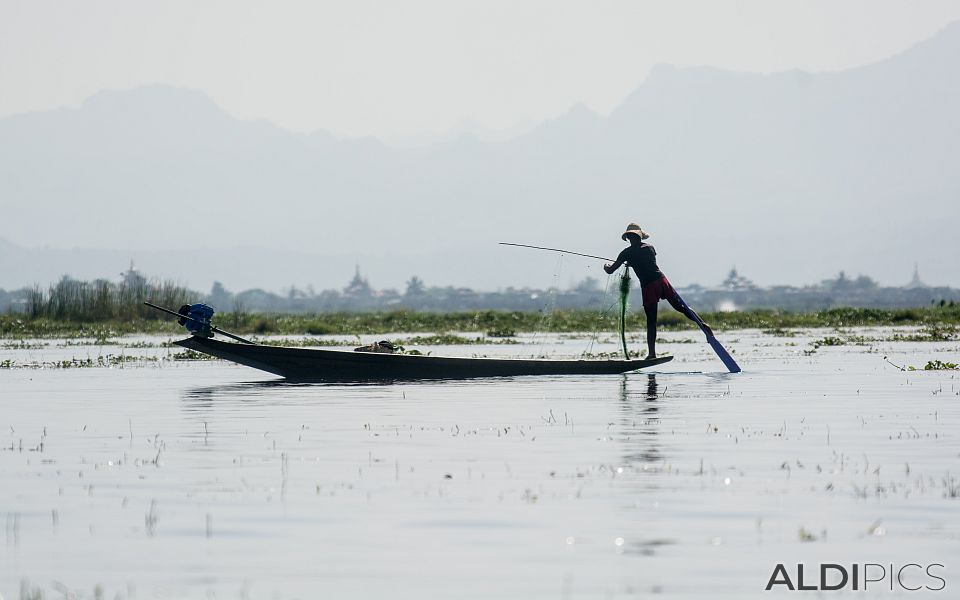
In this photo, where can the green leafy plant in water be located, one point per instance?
(439, 339)
(780, 332)
(937, 365)
(830, 341)
(192, 355)
(937, 332)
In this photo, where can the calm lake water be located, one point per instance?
(201, 479)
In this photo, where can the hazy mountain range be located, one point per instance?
(791, 176)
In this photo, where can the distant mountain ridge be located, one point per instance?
(791, 176)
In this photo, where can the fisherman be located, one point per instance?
(643, 258)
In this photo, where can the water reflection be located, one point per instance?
(278, 390)
(640, 420)
(202, 398)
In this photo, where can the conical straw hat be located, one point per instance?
(634, 229)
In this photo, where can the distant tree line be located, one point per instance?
(101, 299)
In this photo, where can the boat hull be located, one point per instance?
(305, 364)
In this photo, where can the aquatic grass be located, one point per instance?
(23, 345)
(449, 339)
(829, 341)
(634, 354)
(303, 342)
(192, 355)
(780, 332)
(938, 332)
(438, 339)
(98, 341)
(951, 487)
(937, 365)
(108, 360)
(144, 344)
(19, 327)
(105, 361)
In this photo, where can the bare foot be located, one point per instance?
(651, 355)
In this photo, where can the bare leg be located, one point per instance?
(651, 311)
(688, 312)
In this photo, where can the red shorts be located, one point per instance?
(657, 290)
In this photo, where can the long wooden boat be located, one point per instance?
(305, 364)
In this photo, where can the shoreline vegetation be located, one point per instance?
(102, 309)
(942, 322)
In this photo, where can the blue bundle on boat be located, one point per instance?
(198, 322)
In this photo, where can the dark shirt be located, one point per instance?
(643, 258)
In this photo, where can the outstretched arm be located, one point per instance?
(610, 268)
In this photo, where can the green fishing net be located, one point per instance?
(624, 293)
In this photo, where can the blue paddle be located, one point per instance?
(728, 361)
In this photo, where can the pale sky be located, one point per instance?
(398, 70)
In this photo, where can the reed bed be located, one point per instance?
(101, 300)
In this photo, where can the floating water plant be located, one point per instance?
(937, 365)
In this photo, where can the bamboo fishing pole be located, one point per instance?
(555, 250)
(624, 287)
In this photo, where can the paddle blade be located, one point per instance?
(728, 361)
